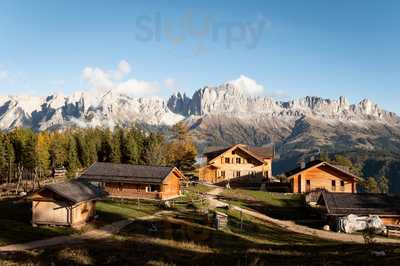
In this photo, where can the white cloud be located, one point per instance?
(248, 85)
(170, 83)
(103, 80)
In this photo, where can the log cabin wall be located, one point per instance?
(62, 213)
(322, 178)
(169, 188)
(83, 212)
(50, 212)
(234, 164)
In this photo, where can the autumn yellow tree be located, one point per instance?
(43, 152)
(181, 150)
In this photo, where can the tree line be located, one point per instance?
(370, 184)
(28, 153)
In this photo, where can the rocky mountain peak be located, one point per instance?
(230, 99)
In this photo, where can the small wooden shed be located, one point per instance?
(69, 203)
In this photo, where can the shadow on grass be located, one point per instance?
(16, 227)
(186, 238)
(288, 209)
(138, 251)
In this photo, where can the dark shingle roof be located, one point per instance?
(318, 163)
(75, 191)
(216, 152)
(260, 152)
(126, 173)
(359, 204)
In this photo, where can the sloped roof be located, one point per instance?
(75, 191)
(339, 204)
(259, 152)
(318, 163)
(127, 173)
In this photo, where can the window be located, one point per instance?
(237, 173)
(154, 188)
(342, 185)
(223, 173)
(238, 160)
(226, 160)
(333, 185)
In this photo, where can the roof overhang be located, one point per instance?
(240, 146)
(356, 178)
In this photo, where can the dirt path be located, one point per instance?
(291, 226)
(211, 196)
(101, 233)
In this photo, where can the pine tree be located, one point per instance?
(10, 157)
(370, 185)
(130, 150)
(57, 150)
(106, 149)
(29, 152)
(3, 159)
(72, 162)
(83, 149)
(153, 153)
(383, 185)
(116, 146)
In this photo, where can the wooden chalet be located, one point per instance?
(317, 175)
(336, 205)
(135, 181)
(70, 204)
(237, 162)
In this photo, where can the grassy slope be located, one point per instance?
(15, 224)
(111, 211)
(186, 237)
(15, 219)
(283, 206)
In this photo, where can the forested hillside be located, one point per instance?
(23, 151)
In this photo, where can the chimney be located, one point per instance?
(312, 158)
(302, 164)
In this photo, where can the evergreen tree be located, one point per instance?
(9, 157)
(153, 153)
(29, 152)
(383, 185)
(343, 161)
(130, 150)
(106, 148)
(3, 160)
(116, 146)
(57, 150)
(72, 160)
(370, 185)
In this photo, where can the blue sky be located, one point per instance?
(290, 48)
